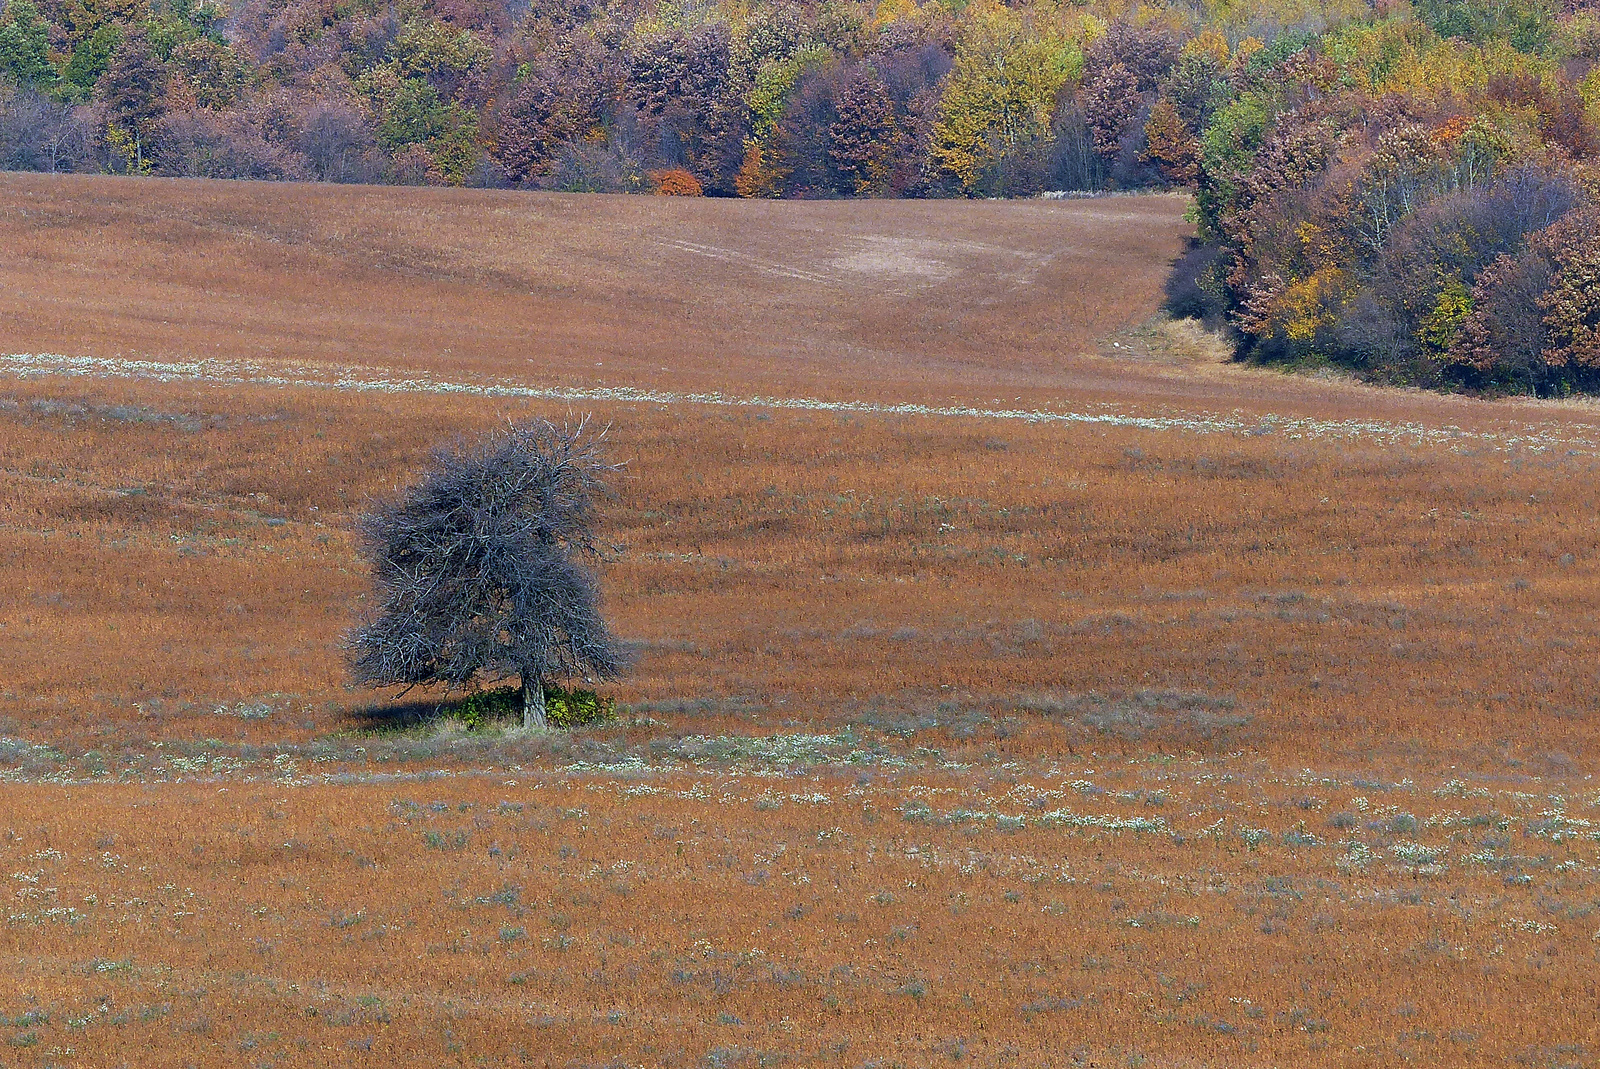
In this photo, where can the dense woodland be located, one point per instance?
(1408, 191)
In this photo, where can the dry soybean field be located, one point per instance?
(1018, 682)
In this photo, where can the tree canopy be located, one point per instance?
(482, 569)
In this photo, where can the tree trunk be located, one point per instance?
(533, 717)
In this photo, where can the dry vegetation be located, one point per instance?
(951, 740)
(762, 905)
(875, 298)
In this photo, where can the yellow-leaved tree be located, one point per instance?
(763, 172)
(1002, 90)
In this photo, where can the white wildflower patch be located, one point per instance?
(1149, 921)
(56, 914)
(1414, 853)
(1357, 856)
(780, 750)
(245, 710)
(36, 902)
(1492, 859)
(1555, 826)
(627, 763)
(1254, 837)
(1310, 778)
(1065, 818)
(1458, 789)
(1530, 437)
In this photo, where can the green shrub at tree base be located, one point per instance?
(565, 708)
(578, 707)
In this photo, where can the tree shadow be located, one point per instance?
(471, 711)
(395, 715)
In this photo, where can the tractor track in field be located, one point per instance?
(1509, 436)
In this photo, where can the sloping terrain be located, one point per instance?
(858, 297)
(1017, 682)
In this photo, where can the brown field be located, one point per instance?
(1252, 726)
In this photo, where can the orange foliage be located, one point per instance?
(1171, 144)
(676, 182)
(759, 175)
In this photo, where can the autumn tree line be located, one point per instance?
(1405, 190)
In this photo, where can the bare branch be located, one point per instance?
(482, 568)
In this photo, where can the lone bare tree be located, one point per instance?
(482, 568)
